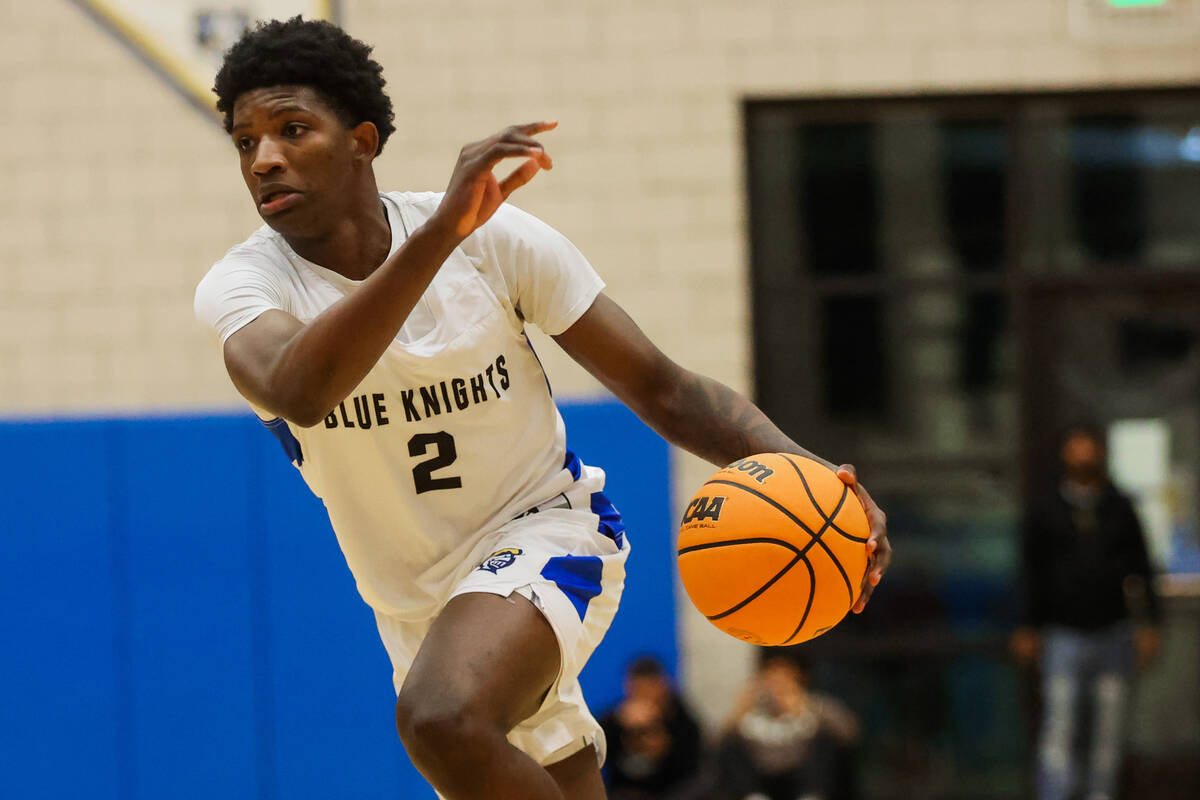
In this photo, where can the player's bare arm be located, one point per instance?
(697, 413)
(300, 371)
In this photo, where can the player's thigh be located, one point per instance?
(485, 655)
(578, 776)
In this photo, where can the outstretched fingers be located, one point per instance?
(474, 191)
(879, 548)
(519, 177)
(498, 151)
(515, 136)
(879, 554)
(531, 128)
(523, 134)
(518, 140)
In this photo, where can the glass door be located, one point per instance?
(1128, 359)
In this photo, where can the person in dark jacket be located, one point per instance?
(1084, 558)
(654, 743)
(784, 741)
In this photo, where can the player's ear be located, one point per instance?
(366, 140)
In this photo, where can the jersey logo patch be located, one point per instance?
(500, 559)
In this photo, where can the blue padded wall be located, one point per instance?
(66, 707)
(183, 520)
(178, 621)
(635, 462)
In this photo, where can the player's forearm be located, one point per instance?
(707, 418)
(329, 357)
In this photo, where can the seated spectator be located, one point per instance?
(781, 740)
(654, 743)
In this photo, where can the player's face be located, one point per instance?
(297, 157)
(651, 689)
(1083, 457)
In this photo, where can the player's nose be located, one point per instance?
(268, 157)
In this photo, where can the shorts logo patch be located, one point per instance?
(500, 559)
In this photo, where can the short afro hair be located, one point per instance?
(312, 53)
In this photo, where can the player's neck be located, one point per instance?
(357, 241)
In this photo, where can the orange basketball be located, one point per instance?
(772, 549)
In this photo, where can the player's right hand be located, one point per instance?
(879, 547)
(474, 193)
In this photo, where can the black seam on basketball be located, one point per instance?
(816, 536)
(769, 500)
(829, 524)
(817, 540)
(836, 563)
(812, 591)
(836, 509)
(758, 592)
(829, 519)
(807, 489)
(731, 542)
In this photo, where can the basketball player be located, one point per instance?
(381, 338)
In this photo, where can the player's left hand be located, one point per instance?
(879, 549)
(474, 193)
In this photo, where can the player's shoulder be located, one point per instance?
(516, 223)
(259, 262)
(417, 206)
(508, 221)
(261, 252)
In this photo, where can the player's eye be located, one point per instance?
(293, 129)
(243, 144)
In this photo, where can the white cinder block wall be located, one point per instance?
(118, 194)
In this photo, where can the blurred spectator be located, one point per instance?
(654, 743)
(1083, 549)
(782, 741)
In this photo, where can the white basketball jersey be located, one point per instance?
(454, 431)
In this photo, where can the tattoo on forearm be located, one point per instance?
(718, 424)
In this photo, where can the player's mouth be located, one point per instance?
(276, 200)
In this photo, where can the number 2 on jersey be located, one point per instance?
(445, 455)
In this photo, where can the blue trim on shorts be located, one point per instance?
(610, 519)
(288, 440)
(578, 577)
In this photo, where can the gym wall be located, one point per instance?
(120, 194)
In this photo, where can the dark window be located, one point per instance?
(974, 159)
(838, 199)
(854, 357)
(938, 284)
(1107, 189)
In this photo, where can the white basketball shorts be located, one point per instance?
(570, 562)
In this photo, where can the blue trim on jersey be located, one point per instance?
(578, 577)
(610, 519)
(288, 440)
(572, 463)
(538, 359)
